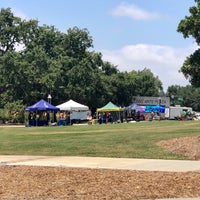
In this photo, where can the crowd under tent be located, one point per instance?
(110, 113)
(41, 113)
(133, 111)
(72, 111)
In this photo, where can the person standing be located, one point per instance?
(47, 118)
(151, 116)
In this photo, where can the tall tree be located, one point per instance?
(50, 61)
(147, 83)
(190, 26)
(10, 30)
(185, 96)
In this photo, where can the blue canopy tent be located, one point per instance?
(40, 107)
(43, 106)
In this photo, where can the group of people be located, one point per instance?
(39, 119)
(137, 116)
(105, 117)
(45, 118)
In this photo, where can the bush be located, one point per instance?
(13, 112)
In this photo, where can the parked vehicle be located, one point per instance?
(181, 113)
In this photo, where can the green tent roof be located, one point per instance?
(109, 107)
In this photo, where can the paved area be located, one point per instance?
(103, 163)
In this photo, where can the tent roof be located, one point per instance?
(42, 105)
(109, 107)
(72, 105)
(131, 107)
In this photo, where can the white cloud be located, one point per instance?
(163, 61)
(133, 12)
(20, 14)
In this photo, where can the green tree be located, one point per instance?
(12, 37)
(10, 27)
(122, 87)
(62, 64)
(185, 96)
(190, 26)
(148, 84)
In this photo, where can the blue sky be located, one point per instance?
(131, 34)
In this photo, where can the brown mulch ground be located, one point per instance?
(188, 146)
(50, 183)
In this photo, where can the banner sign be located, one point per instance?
(165, 101)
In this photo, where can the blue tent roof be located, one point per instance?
(42, 105)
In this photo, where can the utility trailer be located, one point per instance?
(176, 111)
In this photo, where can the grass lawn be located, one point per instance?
(127, 140)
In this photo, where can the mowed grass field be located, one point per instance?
(123, 140)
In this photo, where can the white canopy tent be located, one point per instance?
(77, 111)
(72, 106)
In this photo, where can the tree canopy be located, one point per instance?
(39, 60)
(185, 96)
(190, 27)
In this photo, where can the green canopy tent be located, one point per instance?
(114, 110)
(109, 107)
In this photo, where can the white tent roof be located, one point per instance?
(72, 105)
